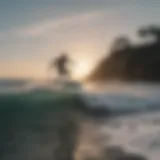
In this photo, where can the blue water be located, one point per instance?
(29, 117)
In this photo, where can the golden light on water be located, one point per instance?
(90, 141)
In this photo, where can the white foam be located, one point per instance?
(137, 133)
(121, 97)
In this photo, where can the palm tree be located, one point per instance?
(120, 43)
(152, 31)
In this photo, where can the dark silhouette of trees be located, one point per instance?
(128, 62)
(151, 31)
(120, 43)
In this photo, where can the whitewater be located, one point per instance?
(135, 121)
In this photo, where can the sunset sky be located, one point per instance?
(34, 31)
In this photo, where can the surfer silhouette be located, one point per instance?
(61, 65)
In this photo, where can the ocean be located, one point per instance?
(40, 123)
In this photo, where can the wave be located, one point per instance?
(118, 102)
(33, 116)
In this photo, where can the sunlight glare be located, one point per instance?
(81, 69)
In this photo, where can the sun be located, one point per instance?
(80, 70)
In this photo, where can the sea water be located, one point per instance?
(137, 126)
(134, 124)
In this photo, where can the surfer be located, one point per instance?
(61, 65)
(64, 80)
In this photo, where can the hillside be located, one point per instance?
(129, 62)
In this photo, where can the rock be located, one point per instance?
(132, 157)
(117, 153)
(113, 153)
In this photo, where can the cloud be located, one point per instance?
(61, 25)
(46, 26)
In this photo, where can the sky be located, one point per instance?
(32, 32)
